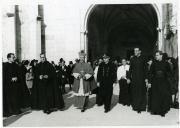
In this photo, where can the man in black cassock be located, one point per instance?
(11, 87)
(161, 89)
(137, 76)
(106, 76)
(46, 86)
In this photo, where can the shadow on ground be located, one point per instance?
(114, 101)
(68, 99)
(14, 118)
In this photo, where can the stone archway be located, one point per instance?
(134, 23)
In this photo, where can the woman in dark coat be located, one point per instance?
(34, 100)
(62, 76)
(70, 76)
(25, 93)
(161, 91)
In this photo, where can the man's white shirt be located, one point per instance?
(121, 71)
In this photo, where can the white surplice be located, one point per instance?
(121, 71)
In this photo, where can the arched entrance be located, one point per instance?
(117, 28)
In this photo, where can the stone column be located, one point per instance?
(28, 17)
(43, 26)
(17, 33)
(86, 44)
(82, 43)
(8, 31)
(38, 37)
(160, 33)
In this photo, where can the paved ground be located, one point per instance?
(94, 116)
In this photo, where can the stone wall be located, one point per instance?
(65, 30)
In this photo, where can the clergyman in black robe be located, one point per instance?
(46, 86)
(11, 87)
(137, 75)
(160, 84)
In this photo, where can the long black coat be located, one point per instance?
(34, 94)
(25, 94)
(161, 89)
(138, 74)
(70, 76)
(11, 90)
(48, 93)
(62, 75)
(106, 76)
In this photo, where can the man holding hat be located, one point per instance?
(105, 78)
(82, 73)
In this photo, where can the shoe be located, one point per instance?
(107, 110)
(139, 111)
(99, 104)
(127, 104)
(45, 111)
(17, 113)
(62, 108)
(83, 110)
(176, 105)
(162, 115)
(48, 112)
(154, 113)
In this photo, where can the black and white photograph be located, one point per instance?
(70, 63)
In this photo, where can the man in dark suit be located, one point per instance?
(106, 76)
(63, 75)
(70, 76)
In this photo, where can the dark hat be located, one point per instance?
(26, 62)
(70, 62)
(82, 53)
(61, 60)
(105, 56)
(76, 59)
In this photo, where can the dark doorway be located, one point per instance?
(117, 29)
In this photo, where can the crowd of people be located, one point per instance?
(144, 83)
